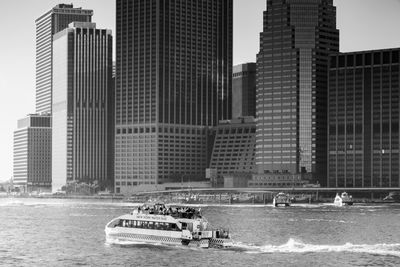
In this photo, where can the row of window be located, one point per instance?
(386, 57)
(148, 225)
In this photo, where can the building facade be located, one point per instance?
(298, 37)
(234, 147)
(32, 154)
(364, 110)
(82, 106)
(47, 25)
(244, 90)
(174, 68)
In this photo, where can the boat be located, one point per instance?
(161, 224)
(281, 199)
(343, 200)
(393, 197)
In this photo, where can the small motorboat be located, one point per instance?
(343, 200)
(281, 199)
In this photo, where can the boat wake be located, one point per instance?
(293, 246)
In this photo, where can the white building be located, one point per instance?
(32, 153)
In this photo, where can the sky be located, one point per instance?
(363, 25)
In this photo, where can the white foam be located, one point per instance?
(326, 220)
(293, 246)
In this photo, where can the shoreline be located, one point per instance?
(124, 199)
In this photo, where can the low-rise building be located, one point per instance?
(234, 147)
(32, 153)
(277, 180)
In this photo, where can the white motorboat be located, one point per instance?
(281, 199)
(167, 225)
(343, 200)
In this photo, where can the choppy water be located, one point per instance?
(54, 232)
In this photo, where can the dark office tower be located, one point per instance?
(292, 68)
(244, 90)
(174, 69)
(364, 106)
(82, 106)
(47, 25)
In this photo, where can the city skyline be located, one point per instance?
(17, 67)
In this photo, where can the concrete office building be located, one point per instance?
(82, 106)
(174, 69)
(234, 146)
(32, 154)
(47, 25)
(364, 95)
(244, 90)
(298, 37)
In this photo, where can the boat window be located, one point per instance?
(184, 226)
(114, 223)
(146, 225)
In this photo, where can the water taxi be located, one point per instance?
(343, 200)
(281, 199)
(167, 225)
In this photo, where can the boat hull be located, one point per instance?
(220, 243)
(341, 204)
(151, 239)
(277, 203)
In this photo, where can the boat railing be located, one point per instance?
(181, 213)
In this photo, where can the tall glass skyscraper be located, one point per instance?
(297, 39)
(47, 25)
(82, 147)
(174, 68)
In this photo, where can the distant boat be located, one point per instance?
(281, 199)
(343, 200)
(393, 197)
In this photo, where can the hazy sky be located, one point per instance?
(363, 24)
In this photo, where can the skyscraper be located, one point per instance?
(174, 68)
(244, 90)
(82, 106)
(32, 153)
(364, 106)
(47, 25)
(297, 39)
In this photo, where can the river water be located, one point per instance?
(64, 232)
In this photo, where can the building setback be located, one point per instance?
(364, 91)
(32, 153)
(47, 25)
(244, 90)
(292, 65)
(234, 146)
(174, 68)
(82, 106)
